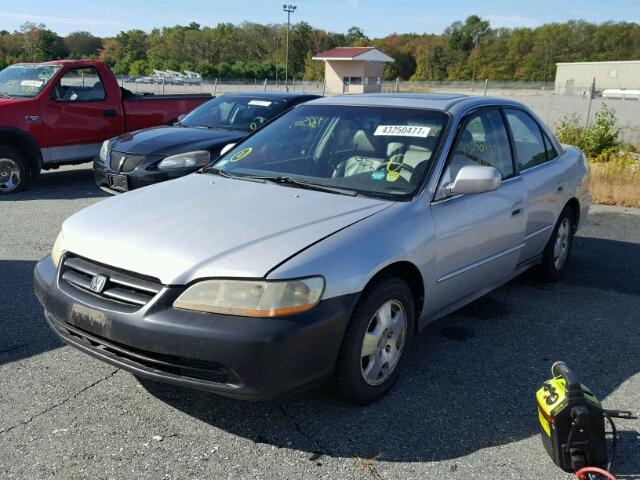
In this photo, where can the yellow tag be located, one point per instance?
(242, 154)
(392, 176)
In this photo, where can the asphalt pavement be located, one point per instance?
(463, 408)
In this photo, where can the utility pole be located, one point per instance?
(289, 9)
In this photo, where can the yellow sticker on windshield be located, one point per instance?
(393, 170)
(242, 154)
(392, 176)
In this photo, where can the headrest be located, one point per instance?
(467, 137)
(362, 142)
(393, 148)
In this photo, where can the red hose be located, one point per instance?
(582, 473)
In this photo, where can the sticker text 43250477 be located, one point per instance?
(402, 131)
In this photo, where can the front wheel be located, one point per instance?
(377, 337)
(14, 170)
(556, 254)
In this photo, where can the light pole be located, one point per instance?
(476, 40)
(289, 9)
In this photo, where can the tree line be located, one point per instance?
(466, 50)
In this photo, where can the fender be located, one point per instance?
(24, 142)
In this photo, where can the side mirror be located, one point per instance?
(475, 179)
(226, 148)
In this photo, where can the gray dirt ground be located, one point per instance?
(463, 409)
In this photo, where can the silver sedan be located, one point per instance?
(319, 246)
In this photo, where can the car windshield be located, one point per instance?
(378, 151)
(25, 80)
(234, 113)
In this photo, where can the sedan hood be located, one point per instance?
(203, 225)
(173, 140)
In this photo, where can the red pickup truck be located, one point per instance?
(59, 112)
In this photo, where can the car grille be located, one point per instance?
(118, 286)
(124, 162)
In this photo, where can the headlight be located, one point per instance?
(252, 298)
(185, 160)
(104, 150)
(58, 248)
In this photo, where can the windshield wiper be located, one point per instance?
(6, 95)
(222, 173)
(282, 180)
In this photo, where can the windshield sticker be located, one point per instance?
(377, 175)
(245, 152)
(311, 122)
(31, 83)
(402, 131)
(260, 103)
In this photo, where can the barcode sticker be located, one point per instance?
(31, 83)
(260, 103)
(402, 131)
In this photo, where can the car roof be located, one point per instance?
(431, 101)
(273, 95)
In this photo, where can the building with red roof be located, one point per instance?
(353, 69)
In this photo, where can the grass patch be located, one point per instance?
(616, 182)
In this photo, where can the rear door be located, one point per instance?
(542, 175)
(79, 115)
(478, 237)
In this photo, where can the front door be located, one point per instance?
(78, 116)
(479, 236)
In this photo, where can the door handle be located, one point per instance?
(111, 112)
(516, 209)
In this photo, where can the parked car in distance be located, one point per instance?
(60, 112)
(318, 246)
(153, 155)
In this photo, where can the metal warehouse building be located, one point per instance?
(576, 78)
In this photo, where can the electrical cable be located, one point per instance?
(583, 472)
(613, 442)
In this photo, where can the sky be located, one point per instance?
(376, 17)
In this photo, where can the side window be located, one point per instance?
(551, 150)
(80, 85)
(527, 139)
(482, 141)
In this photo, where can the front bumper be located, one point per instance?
(239, 357)
(138, 178)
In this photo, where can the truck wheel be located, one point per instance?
(14, 170)
(556, 254)
(377, 337)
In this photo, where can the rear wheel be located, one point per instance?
(14, 170)
(377, 337)
(557, 252)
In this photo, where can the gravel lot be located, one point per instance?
(463, 409)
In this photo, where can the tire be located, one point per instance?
(356, 379)
(15, 173)
(553, 266)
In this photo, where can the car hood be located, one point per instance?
(203, 225)
(173, 140)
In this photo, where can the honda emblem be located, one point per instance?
(97, 283)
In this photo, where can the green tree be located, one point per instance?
(82, 44)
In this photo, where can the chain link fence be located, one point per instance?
(583, 101)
